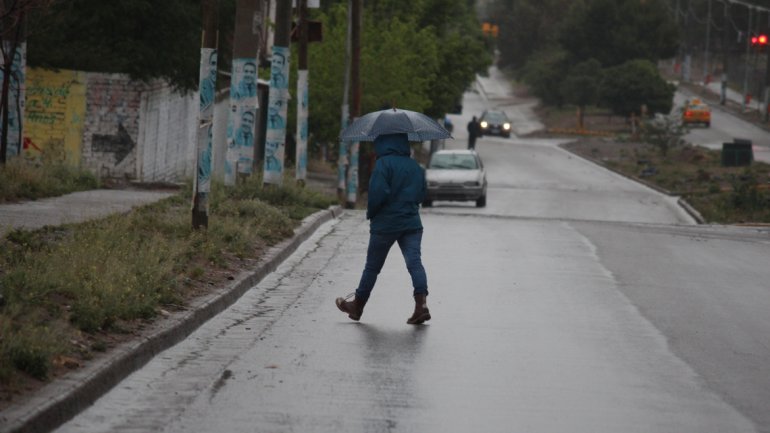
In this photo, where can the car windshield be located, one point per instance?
(494, 117)
(698, 108)
(453, 161)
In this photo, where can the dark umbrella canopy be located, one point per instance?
(417, 126)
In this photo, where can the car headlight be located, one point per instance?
(474, 183)
(506, 126)
(484, 124)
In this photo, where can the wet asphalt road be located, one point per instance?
(577, 301)
(724, 129)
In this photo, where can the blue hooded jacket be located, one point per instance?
(396, 188)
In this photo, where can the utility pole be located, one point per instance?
(746, 70)
(706, 68)
(244, 101)
(343, 161)
(686, 67)
(766, 105)
(725, 53)
(355, 109)
(207, 89)
(275, 135)
(303, 97)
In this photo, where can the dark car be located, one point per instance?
(456, 175)
(495, 123)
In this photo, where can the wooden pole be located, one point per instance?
(207, 87)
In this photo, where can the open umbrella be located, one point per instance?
(417, 126)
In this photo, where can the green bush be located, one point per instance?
(635, 83)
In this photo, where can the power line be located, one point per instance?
(748, 5)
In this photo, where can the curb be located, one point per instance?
(680, 201)
(61, 400)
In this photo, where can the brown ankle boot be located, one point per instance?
(354, 308)
(421, 313)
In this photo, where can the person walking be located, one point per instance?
(396, 189)
(474, 130)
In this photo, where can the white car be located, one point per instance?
(456, 175)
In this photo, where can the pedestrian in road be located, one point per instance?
(474, 130)
(396, 189)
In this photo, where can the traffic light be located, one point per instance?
(489, 29)
(759, 41)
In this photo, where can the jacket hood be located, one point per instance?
(392, 144)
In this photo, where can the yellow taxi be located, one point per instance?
(696, 111)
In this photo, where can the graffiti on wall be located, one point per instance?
(54, 115)
(120, 144)
(15, 99)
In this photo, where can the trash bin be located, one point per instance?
(738, 153)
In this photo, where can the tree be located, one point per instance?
(664, 132)
(581, 87)
(143, 38)
(461, 49)
(615, 31)
(406, 59)
(635, 83)
(544, 74)
(526, 27)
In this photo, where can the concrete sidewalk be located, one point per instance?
(73, 208)
(66, 396)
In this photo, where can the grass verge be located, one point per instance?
(723, 195)
(67, 292)
(23, 180)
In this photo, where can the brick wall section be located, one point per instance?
(111, 125)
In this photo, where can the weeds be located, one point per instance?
(103, 275)
(25, 180)
(723, 195)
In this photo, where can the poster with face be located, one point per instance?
(276, 133)
(204, 158)
(278, 100)
(207, 92)
(241, 120)
(244, 80)
(208, 81)
(279, 68)
(302, 113)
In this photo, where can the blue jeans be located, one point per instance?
(379, 245)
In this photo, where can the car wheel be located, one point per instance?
(427, 203)
(481, 201)
(708, 124)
